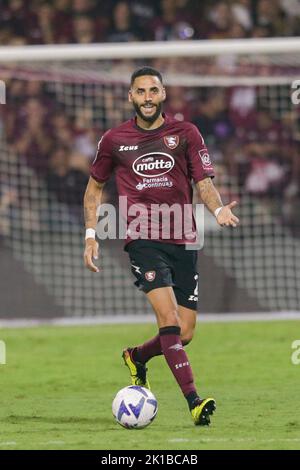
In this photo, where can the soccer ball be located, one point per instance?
(134, 407)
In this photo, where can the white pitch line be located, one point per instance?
(133, 319)
(224, 439)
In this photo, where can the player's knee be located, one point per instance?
(187, 336)
(168, 317)
(186, 341)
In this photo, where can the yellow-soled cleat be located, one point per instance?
(138, 371)
(202, 411)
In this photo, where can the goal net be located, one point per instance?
(59, 102)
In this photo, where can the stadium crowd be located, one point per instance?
(88, 21)
(255, 150)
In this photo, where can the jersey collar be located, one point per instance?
(150, 130)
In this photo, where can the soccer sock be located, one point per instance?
(177, 360)
(147, 350)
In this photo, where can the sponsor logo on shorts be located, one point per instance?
(194, 297)
(137, 269)
(150, 275)
(205, 158)
(171, 141)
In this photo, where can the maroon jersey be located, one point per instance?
(154, 167)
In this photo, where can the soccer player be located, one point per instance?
(155, 158)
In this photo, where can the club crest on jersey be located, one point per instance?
(150, 275)
(171, 141)
(205, 157)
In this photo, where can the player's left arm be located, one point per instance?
(212, 199)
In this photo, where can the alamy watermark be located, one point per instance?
(295, 97)
(295, 357)
(2, 352)
(152, 222)
(2, 92)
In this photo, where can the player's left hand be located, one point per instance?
(226, 216)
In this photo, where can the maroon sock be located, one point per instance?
(147, 350)
(177, 359)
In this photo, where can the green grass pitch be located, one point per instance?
(58, 384)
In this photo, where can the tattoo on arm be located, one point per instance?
(90, 207)
(209, 194)
(92, 199)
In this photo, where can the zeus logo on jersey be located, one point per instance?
(125, 148)
(153, 164)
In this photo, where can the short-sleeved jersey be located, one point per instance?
(154, 167)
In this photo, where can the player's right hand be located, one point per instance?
(90, 253)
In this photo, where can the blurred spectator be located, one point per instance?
(242, 11)
(83, 7)
(84, 31)
(67, 176)
(260, 32)
(242, 108)
(96, 23)
(266, 130)
(220, 21)
(171, 25)
(291, 206)
(15, 16)
(270, 15)
(86, 136)
(237, 31)
(212, 118)
(123, 28)
(32, 140)
(8, 198)
(144, 12)
(177, 104)
(266, 176)
(63, 21)
(44, 28)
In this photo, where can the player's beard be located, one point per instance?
(150, 119)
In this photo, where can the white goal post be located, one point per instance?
(144, 50)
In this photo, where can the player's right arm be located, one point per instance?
(101, 170)
(92, 199)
